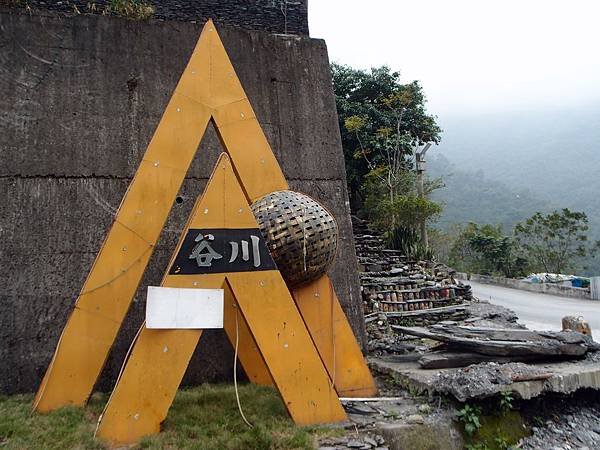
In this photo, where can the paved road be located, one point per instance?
(539, 311)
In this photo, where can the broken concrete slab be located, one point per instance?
(525, 381)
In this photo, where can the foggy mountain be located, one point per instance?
(503, 167)
(554, 154)
(470, 196)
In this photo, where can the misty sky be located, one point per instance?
(472, 56)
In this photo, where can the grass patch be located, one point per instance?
(68, 427)
(133, 9)
(14, 3)
(501, 432)
(204, 417)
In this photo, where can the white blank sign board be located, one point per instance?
(175, 308)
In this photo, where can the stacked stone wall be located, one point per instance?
(273, 16)
(392, 283)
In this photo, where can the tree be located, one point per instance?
(407, 210)
(384, 124)
(555, 241)
(381, 120)
(484, 249)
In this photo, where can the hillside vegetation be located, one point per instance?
(502, 168)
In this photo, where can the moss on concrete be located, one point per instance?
(499, 432)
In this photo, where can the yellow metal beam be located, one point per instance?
(248, 351)
(333, 338)
(287, 347)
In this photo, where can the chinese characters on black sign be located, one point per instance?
(222, 250)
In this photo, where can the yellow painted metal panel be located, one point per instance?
(286, 346)
(146, 389)
(178, 135)
(228, 210)
(334, 339)
(86, 334)
(116, 273)
(195, 80)
(225, 86)
(252, 157)
(159, 358)
(235, 112)
(248, 352)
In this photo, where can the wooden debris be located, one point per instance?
(531, 377)
(427, 312)
(446, 360)
(505, 342)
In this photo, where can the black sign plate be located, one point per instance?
(222, 250)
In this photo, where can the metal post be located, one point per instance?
(420, 167)
(595, 288)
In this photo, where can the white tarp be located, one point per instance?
(544, 277)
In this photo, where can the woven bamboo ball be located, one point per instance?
(301, 235)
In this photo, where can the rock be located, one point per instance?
(370, 441)
(572, 323)
(354, 444)
(415, 419)
(443, 434)
(424, 408)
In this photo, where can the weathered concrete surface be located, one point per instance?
(438, 435)
(487, 380)
(79, 100)
(542, 288)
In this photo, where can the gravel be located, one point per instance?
(564, 422)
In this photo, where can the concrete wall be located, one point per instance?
(274, 16)
(80, 98)
(595, 288)
(544, 288)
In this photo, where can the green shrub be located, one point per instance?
(133, 9)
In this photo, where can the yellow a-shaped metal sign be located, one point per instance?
(208, 89)
(159, 358)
